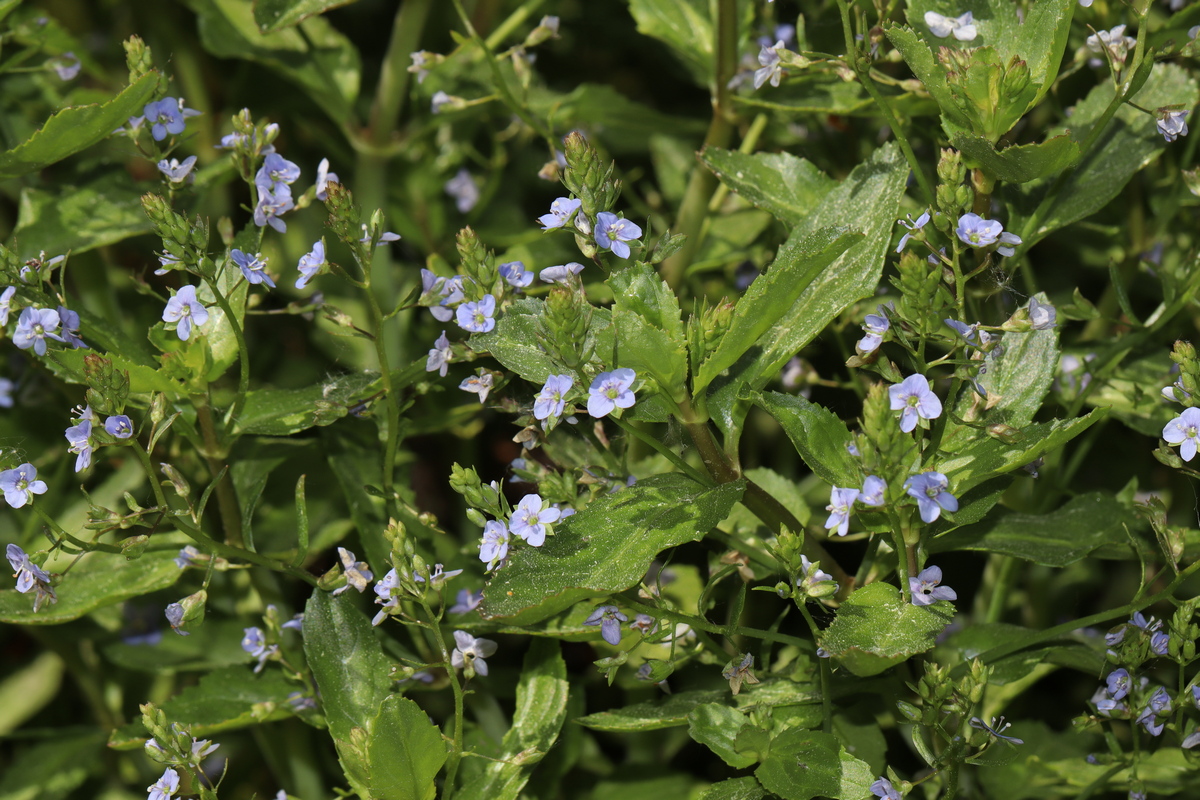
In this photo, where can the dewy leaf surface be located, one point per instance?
(404, 752)
(806, 764)
(273, 15)
(819, 435)
(787, 186)
(875, 629)
(608, 546)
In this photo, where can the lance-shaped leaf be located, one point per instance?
(607, 547)
(875, 629)
(273, 15)
(669, 712)
(75, 129)
(404, 752)
(787, 186)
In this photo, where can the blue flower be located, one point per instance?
(551, 400)
(925, 590)
(561, 211)
(119, 427)
(971, 334)
(996, 727)
(70, 327)
(494, 547)
(324, 178)
(26, 572)
(6, 390)
(612, 232)
(254, 643)
(872, 491)
(66, 66)
(272, 205)
(5, 303)
(841, 502)
(276, 172)
(185, 310)
(34, 326)
(1118, 683)
(357, 573)
(1155, 712)
(438, 578)
(165, 787)
(20, 485)
(914, 397)
(976, 231)
(814, 581)
(467, 601)
(875, 326)
(480, 384)
(883, 788)
(561, 274)
(963, 27)
(1042, 316)
(469, 653)
(80, 438)
(1184, 430)
(174, 614)
(913, 228)
(609, 619)
(464, 190)
(311, 263)
(177, 171)
(770, 69)
(477, 317)
(166, 116)
(1159, 642)
(531, 518)
(611, 390)
(929, 489)
(439, 356)
(1172, 124)
(385, 595)
(516, 275)
(187, 557)
(254, 267)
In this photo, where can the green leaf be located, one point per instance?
(669, 712)
(282, 412)
(313, 55)
(787, 186)
(806, 764)
(252, 462)
(79, 218)
(875, 629)
(27, 690)
(96, 581)
(869, 200)
(607, 547)
(921, 61)
(735, 789)
(223, 700)
(650, 337)
(51, 769)
(540, 712)
(1062, 537)
(818, 434)
(74, 129)
(404, 752)
(1021, 163)
(273, 15)
(684, 25)
(798, 266)
(516, 340)
(717, 726)
(351, 672)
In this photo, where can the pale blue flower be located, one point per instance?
(185, 310)
(1159, 642)
(609, 619)
(551, 400)
(875, 326)
(464, 190)
(1172, 124)
(177, 171)
(769, 69)
(272, 205)
(971, 334)
(976, 231)
(5, 304)
(841, 502)
(912, 228)
(814, 581)
(561, 274)
(470, 652)
(441, 99)
(254, 643)
(611, 390)
(254, 267)
(26, 572)
(1042, 316)
(439, 356)
(166, 117)
(1184, 430)
(1154, 715)
(612, 232)
(385, 595)
(515, 274)
(467, 601)
(480, 384)
(929, 490)
(311, 263)
(925, 589)
(174, 614)
(20, 485)
(872, 491)
(913, 398)
(494, 547)
(477, 317)
(883, 788)
(187, 557)
(275, 173)
(70, 327)
(119, 427)
(357, 572)
(996, 727)
(80, 438)
(165, 787)
(386, 236)
(324, 178)
(34, 326)
(438, 578)
(531, 518)
(963, 27)
(1118, 683)
(561, 211)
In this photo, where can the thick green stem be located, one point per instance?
(243, 353)
(826, 699)
(434, 629)
(1004, 571)
(391, 402)
(214, 453)
(394, 76)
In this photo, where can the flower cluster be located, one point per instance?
(841, 502)
(610, 232)
(30, 577)
(532, 520)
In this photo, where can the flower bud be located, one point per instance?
(137, 57)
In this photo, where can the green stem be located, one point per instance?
(243, 352)
(1005, 570)
(663, 450)
(394, 76)
(826, 700)
(702, 624)
(214, 453)
(434, 630)
(391, 402)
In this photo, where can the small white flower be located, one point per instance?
(962, 27)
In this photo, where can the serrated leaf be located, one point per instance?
(74, 129)
(819, 435)
(787, 186)
(273, 15)
(875, 630)
(807, 764)
(735, 789)
(1020, 163)
(516, 340)
(649, 329)
(684, 25)
(717, 726)
(79, 218)
(405, 751)
(606, 547)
